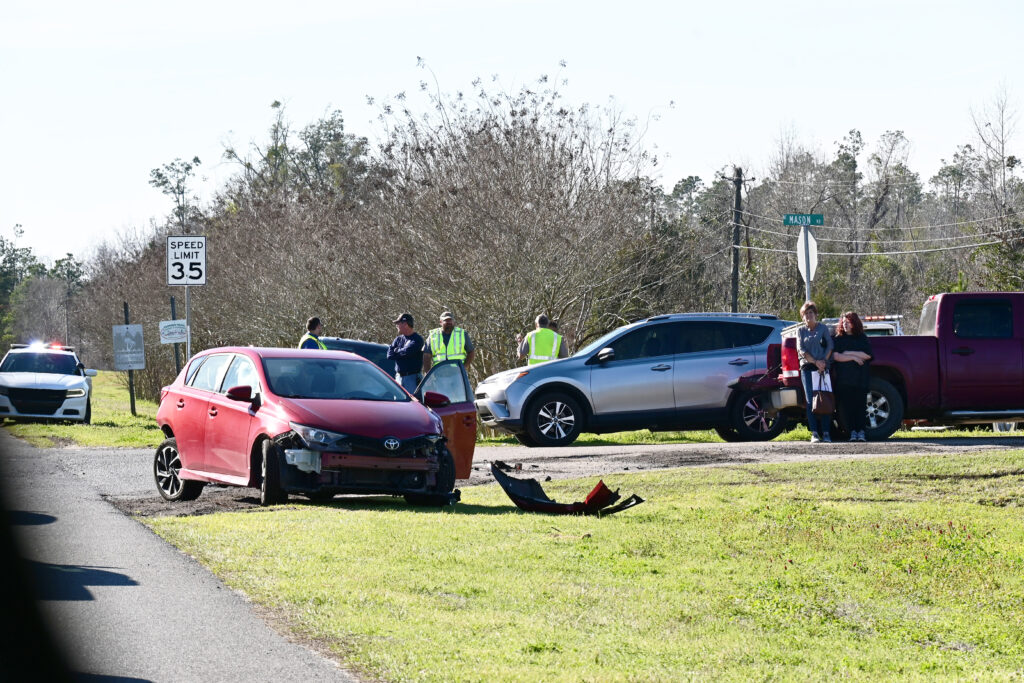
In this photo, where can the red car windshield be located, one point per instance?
(52, 363)
(327, 378)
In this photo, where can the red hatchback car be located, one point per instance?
(316, 423)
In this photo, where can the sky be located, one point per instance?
(97, 94)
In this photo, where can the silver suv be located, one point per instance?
(668, 372)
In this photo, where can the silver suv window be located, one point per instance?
(700, 336)
(649, 341)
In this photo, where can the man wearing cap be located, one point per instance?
(407, 352)
(447, 343)
(542, 344)
(311, 340)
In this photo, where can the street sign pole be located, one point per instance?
(186, 265)
(804, 262)
(807, 260)
(188, 324)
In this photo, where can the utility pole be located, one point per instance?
(737, 179)
(67, 314)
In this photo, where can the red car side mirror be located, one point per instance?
(240, 394)
(432, 399)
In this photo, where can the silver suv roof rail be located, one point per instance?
(716, 314)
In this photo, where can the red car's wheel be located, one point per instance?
(166, 472)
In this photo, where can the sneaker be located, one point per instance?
(854, 436)
(861, 436)
(814, 438)
(826, 439)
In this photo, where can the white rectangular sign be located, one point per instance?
(129, 351)
(173, 332)
(186, 260)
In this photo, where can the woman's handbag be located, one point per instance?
(824, 400)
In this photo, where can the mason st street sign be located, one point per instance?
(803, 219)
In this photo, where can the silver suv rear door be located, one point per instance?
(711, 357)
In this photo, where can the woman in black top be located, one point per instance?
(850, 373)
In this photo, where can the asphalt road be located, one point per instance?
(123, 604)
(130, 607)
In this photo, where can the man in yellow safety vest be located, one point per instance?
(447, 343)
(311, 340)
(542, 344)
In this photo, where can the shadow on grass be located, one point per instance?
(388, 504)
(964, 476)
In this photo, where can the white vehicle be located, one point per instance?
(874, 326)
(45, 382)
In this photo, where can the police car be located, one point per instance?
(45, 382)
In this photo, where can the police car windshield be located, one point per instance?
(51, 363)
(328, 378)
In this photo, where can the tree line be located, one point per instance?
(501, 205)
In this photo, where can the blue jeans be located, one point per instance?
(409, 382)
(818, 424)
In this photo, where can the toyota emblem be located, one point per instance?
(392, 444)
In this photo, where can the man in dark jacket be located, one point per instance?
(407, 352)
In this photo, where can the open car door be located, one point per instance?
(459, 415)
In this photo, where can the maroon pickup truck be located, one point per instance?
(965, 366)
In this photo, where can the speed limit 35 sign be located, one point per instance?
(186, 260)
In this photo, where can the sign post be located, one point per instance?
(806, 246)
(129, 352)
(186, 265)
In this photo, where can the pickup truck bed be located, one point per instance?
(968, 370)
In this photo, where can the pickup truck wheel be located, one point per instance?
(554, 419)
(751, 420)
(884, 410)
(727, 434)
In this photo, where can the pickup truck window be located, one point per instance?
(983, 319)
(928, 316)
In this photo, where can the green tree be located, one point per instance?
(16, 265)
(172, 180)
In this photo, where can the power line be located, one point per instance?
(861, 229)
(874, 241)
(875, 253)
(853, 183)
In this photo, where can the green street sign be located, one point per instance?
(803, 219)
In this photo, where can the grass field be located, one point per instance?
(909, 568)
(112, 421)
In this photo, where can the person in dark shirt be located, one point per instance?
(850, 374)
(407, 352)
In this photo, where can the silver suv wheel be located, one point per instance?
(554, 419)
